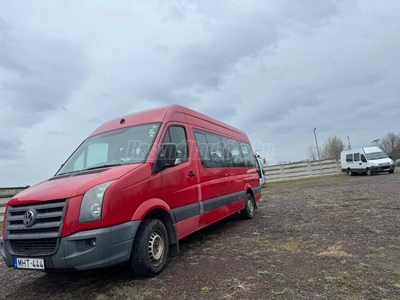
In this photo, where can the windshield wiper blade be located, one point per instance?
(102, 166)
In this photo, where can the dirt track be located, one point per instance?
(329, 238)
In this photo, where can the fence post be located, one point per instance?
(309, 168)
(282, 172)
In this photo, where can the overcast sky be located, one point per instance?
(275, 69)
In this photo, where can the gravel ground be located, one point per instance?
(323, 238)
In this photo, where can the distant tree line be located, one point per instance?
(332, 147)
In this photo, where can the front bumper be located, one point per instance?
(113, 246)
(379, 169)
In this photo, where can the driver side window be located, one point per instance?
(177, 136)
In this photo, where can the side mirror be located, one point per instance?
(363, 159)
(166, 157)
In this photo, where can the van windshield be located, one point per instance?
(129, 145)
(376, 155)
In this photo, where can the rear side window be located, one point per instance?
(234, 153)
(247, 155)
(349, 157)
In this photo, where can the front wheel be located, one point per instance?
(369, 173)
(248, 211)
(349, 172)
(391, 171)
(150, 248)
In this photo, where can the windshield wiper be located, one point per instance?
(102, 166)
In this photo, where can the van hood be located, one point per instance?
(382, 161)
(70, 185)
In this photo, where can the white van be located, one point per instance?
(367, 160)
(260, 161)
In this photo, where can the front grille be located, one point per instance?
(40, 237)
(34, 247)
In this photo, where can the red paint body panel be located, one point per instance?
(186, 227)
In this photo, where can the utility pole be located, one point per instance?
(349, 142)
(319, 157)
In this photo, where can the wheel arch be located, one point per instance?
(249, 190)
(159, 209)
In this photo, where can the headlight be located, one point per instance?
(92, 203)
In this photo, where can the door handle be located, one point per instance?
(191, 174)
(360, 164)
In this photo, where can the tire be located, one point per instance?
(150, 248)
(369, 173)
(391, 171)
(349, 172)
(248, 211)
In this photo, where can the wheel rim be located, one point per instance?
(156, 248)
(349, 172)
(250, 205)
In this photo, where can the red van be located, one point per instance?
(135, 187)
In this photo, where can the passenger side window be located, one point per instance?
(202, 146)
(356, 156)
(234, 153)
(177, 136)
(349, 157)
(215, 148)
(217, 151)
(210, 150)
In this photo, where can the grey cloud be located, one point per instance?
(96, 120)
(284, 129)
(221, 109)
(55, 132)
(10, 149)
(39, 80)
(49, 83)
(289, 100)
(163, 49)
(308, 13)
(234, 37)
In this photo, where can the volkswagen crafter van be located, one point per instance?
(135, 187)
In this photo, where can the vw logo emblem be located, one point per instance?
(29, 218)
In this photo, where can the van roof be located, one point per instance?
(169, 113)
(371, 149)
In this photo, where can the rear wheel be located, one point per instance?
(150, 248)
(248, 211)
(349, 172)
(369, 173)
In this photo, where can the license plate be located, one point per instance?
(29, 263)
